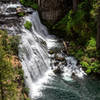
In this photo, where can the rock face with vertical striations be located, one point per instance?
(52, 10)
(7, 1)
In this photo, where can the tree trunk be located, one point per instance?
(75, 5)
(2, 93)
(1, 89)
(98, 30)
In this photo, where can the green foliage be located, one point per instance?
(96, 7)
(84, 64)
(7, 86)
(28, 25)
(22, 1)
(79, 53)
(9, 44)
(35, 6)
(93, 67)
(91, 48)
(26, 90)
(92, 42)
(13, 44)
(10, 77)
(4, 37)
(30, 3)
(88, 55)
(21, 14)
(61, 25)
(79, 25)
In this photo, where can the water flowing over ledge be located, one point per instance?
(34, 56)
(36, 60)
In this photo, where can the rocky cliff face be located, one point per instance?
(7, 1)
(52, 10)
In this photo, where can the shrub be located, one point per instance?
(91, 47)
(92, 42)
(13, 44)
(84, 64)
(34, 6)
(87, 55)
(28, 25)
(21, 14)
(29, 3)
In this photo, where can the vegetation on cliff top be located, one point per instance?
(29, 3)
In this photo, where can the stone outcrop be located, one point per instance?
(52, 10)
(7, 1)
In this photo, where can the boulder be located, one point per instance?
(56, 63)
(59, 58)
(58, 70)
(19, 10)
(51, 52)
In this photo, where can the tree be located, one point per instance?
(98, 25)
(75, 5)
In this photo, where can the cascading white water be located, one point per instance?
(33, 50)
(34, 55)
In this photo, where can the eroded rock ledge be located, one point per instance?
(53, 10)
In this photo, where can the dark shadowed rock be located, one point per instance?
(53, 10)
(51, 52)
(58, 58)
(58, 70)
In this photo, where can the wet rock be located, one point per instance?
(58, 70)
(73, 74)
(59, 58)
(64, 51)
(19, 9)
(22, 10)
(56, 63)
(28, 10)
(93, 60)
(43, 42)
(65, 46)
(51, 52)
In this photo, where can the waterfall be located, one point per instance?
(33, 53)
(35, 59)
(33, 49)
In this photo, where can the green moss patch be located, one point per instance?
(28, 25)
